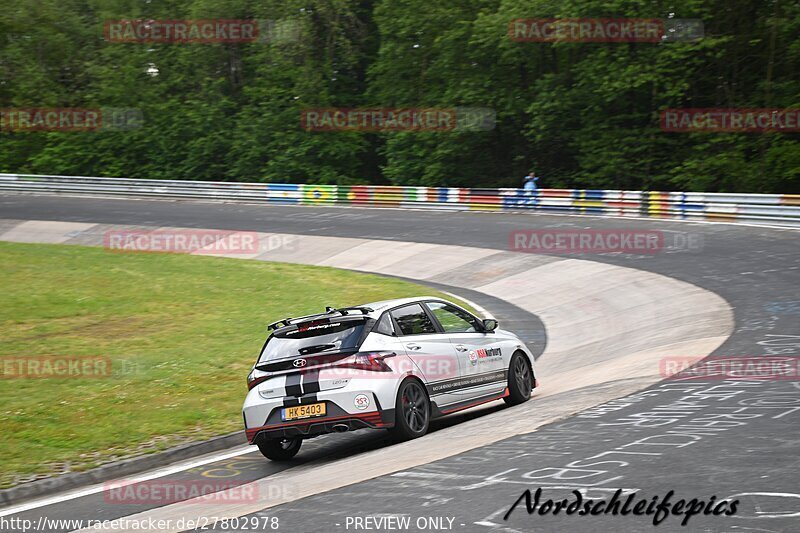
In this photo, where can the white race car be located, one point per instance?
(395, 364)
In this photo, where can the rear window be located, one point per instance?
(320, 337)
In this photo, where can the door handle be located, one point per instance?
(461, 348)
(412, 346)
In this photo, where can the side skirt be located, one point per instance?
(436, 412)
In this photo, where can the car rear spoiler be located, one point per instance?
(329, 311)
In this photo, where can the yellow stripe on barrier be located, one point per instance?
(480, 206)
(588, 203)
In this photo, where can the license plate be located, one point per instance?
(303, 411)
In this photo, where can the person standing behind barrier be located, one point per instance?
(529, 184)
(529, 181)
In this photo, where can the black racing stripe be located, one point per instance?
(311, 382)
(308, 398)
(293, 385)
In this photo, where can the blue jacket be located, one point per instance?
(530, 184)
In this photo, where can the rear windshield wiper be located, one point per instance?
(315, 348)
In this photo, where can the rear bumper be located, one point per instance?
(317, 426)
(354, 401)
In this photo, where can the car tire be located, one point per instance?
(280, 449)
(520, 380)
(412, 410)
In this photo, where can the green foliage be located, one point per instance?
(580, 114)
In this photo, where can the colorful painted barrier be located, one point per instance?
(768, 209)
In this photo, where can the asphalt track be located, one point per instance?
(700, 439)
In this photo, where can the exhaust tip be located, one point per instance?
(340, 428)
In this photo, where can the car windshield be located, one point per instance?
(320, 337)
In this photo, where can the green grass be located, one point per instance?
(181, 331)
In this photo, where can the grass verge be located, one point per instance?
(181, 333)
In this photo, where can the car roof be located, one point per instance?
(376, 309)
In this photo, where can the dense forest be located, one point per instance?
(581, 114)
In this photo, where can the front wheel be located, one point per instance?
(520, 380)
(412, 411)
(280, 449)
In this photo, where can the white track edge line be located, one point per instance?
(99, 487)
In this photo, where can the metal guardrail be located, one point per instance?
(767, 209)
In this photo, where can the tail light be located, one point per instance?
(252, 381)
(373, 361)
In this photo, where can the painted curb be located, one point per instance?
(126, 467)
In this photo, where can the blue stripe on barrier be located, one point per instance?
(522, 200)
(283, 187)
(594, 195)
(511, 201)
(283, 193)
(589, 195)
(694, 207)
(680, 204)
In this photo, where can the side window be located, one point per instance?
(413, 320)
(384, 325)
(452, 319)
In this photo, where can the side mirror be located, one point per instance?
(489, 324)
